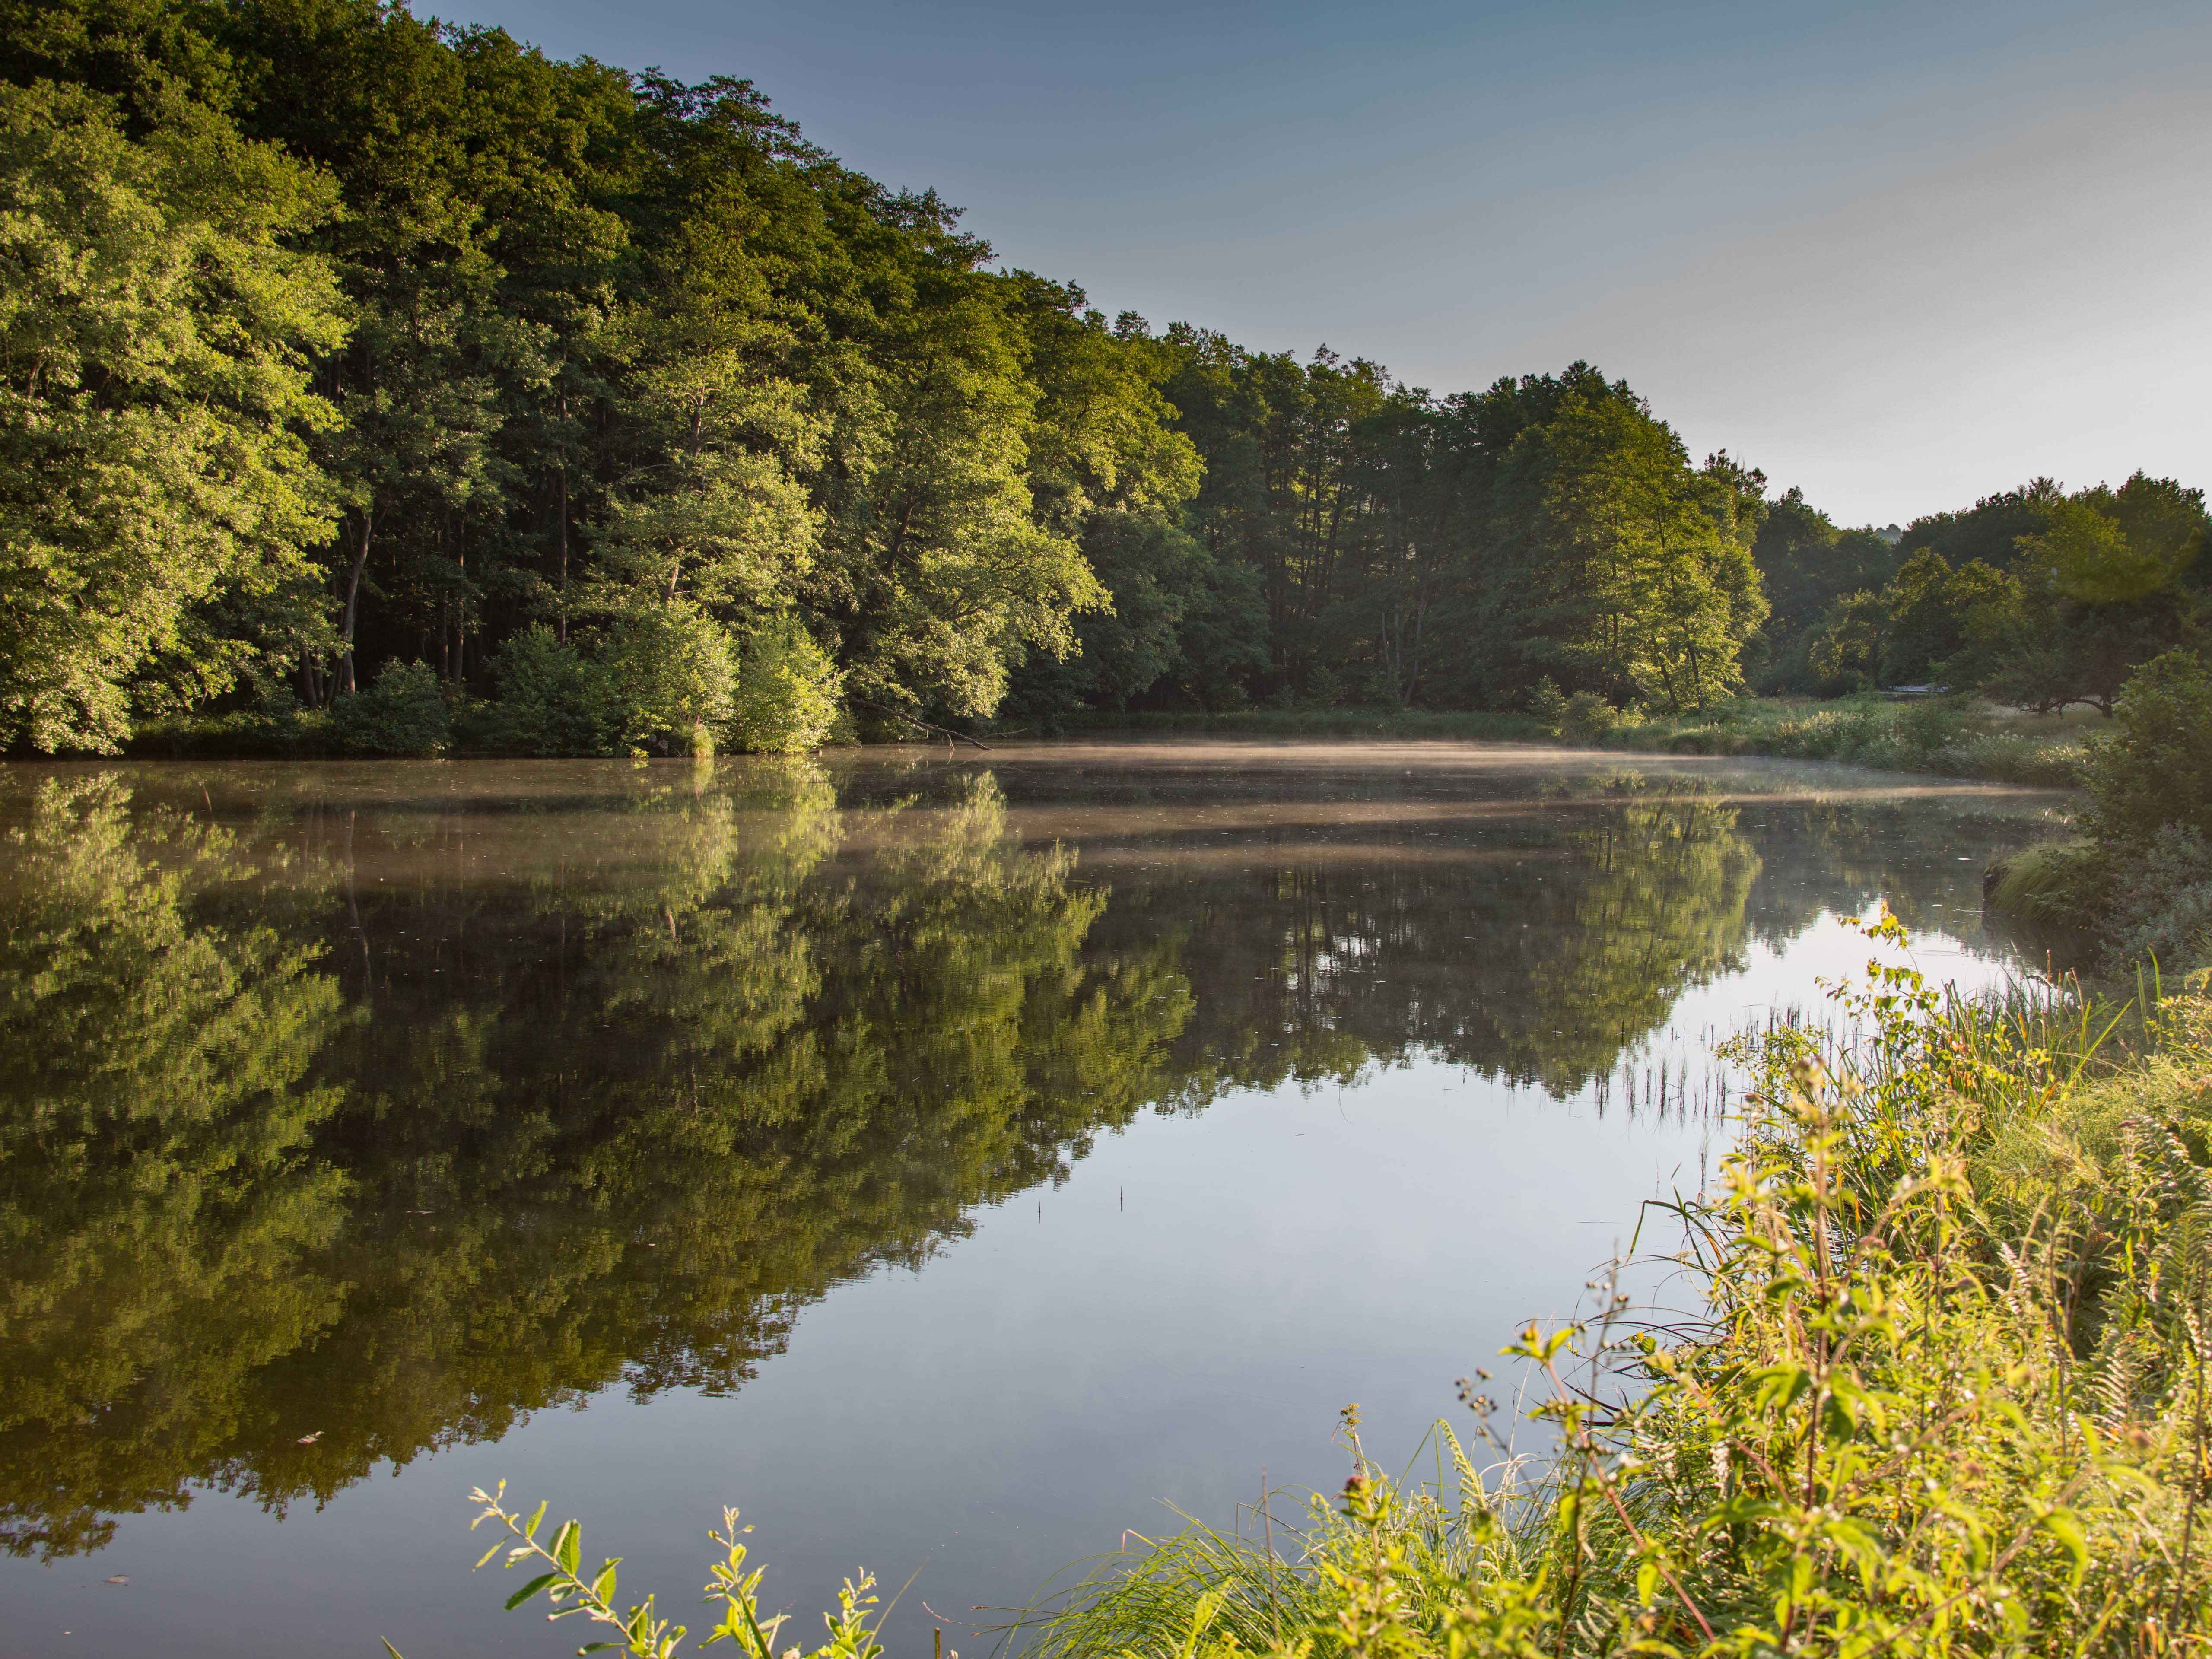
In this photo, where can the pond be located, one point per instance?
(952, 1160)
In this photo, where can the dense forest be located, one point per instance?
(388, 382)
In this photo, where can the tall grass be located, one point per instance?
(1946, 737)
(1277, 1576)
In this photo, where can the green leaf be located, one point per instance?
(1780, 1386)
(536, 1516)
(568, 1546)
(530, 1589)
(389, 1648)
(2066, 1526)
(752, 1623)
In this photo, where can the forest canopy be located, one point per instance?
(385, 376)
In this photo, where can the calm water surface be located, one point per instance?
(946, 1160)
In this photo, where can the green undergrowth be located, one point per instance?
(2137, 881)
(1937, 736)
(1940, 737)
(2047, 884)
(1943, 1393)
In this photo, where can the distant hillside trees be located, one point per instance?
(2034, 597)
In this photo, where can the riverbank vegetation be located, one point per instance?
(1943, 1391)
(372, 386)
(1951, 736)
(2139, 878)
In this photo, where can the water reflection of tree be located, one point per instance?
(164, 1213)
(389, 1126)
(1535, 951)
(569, 1136)
(1841, 856)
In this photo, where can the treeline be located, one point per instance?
(2035, 597)
(385, 384)
(1357, 540)
(335, 339)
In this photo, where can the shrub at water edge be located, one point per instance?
(787, 692)
(2141, 881)
(404, 714)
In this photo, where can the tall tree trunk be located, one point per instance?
(361, 528)
(1414, 668)
(460, 599)
(565, 550)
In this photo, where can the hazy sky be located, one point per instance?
(1902, 255)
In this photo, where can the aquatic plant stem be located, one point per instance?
(2196, 1477)
(1589, 1448)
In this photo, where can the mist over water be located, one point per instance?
(944, 1159)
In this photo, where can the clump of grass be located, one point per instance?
(2053, 884)
(1945, 736)
(1263, 1588)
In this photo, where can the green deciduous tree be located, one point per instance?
(942, 577)
(2154, 768)
(155, 330)
(786, 695)
(2095, 584)
(668, 677)
(1630, 582)
(716, 507)
(1807, 562)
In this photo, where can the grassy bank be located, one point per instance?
(1947, 1394)
(1942, 738)
(1943, 1391)
(1949, 738)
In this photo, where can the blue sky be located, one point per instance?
(1901, 255)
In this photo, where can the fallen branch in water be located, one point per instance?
(945, 732)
